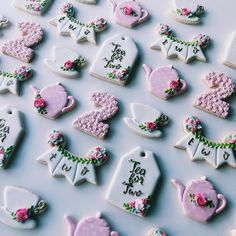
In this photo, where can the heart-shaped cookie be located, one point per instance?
(164, 81)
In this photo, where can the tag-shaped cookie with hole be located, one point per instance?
(11, 131)
(134, 182)
(115, 59)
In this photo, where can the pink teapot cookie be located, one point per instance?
(52, 101)
(129, 13)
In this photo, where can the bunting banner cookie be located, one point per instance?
(67, 25)
(134, 181)
(200, 148)
(74, 168)
(183, 50)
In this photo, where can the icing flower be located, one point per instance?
(174, 87)
(23, 73)
(67, 9)
(128, 11)
(164, 29)
(200, 200)
(40, 104)
(185, 11)
(202, 40)
(231, 138)
(151, 126)
(157, 232)
(193, 124)
(55, 138)
(22, 215)
(121, 74)
(4, 155)
(73, 65)
(68, 64)
(99, 24)
(98, 156)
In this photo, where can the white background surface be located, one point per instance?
(218, 22)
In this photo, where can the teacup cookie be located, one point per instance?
(199, 199)
(134, 181)
(11, 131)
(128, 13)
(200, 148)
(3, 21)
(20, 208)
(164, 81)
(186, 51)
(68, 25)
(52, 101)
(63, 163)
(65, 62)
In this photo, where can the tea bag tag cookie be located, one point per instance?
(128, 13)
(91, 225)
(9, 81)
(199, 199)
(229, 57)
(134, 181)
(146, 121)
(65, 62)
(200, 148)
(164, 81)
(35, 7)
(62, 163)
(115, 59)
(3, 21)
(11, 131)
(20, 208)
(187, 12)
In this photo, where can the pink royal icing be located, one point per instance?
(21, 48)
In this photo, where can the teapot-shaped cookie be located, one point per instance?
(199, 199)
(129, 13)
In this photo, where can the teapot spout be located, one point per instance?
(180, 188)
(113, 4)
(34, 89)
(71, 223)
(148, 70)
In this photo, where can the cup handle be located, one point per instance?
(70, 105)
(222, 204)
(144, 16)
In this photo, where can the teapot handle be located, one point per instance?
(222, 204)
(144, 16)
(70, 105)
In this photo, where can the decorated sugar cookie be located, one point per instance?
(213, 101)
(74, 168)
(35, 7)
(91, 225)
(115, 59)
(199, 199)
(3, 21)
(128, 13)
(65, 62)
(156, 232)
(21, 48)
(134, 182)
(183, 50)
(229, 57)
(20, 208)
(9, 82)
(200, 148)
(67, 25)
(93, 122)
(11, 131)
(52, 101)
(164, 82)
(146, 121)
(186, 11)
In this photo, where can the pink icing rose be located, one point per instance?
(151, 125)
(68, 64)
(127, 10)
(132, 204)
(39, 102)
(185, 11)
(232, 138)
(174, 84)
(22, 214)
(200, 199)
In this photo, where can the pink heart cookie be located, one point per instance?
(164, 81)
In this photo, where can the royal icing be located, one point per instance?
(75, 169)
(52, 101)
(21, 48)
(65, 62)
(115, 59)
(156, 232)
(185, 11)
(229, 58)
(67, 25)
(128, 13)
(20, 208)
(164, 81)
(134, 181)
(3, 21)
(35, 7)
(233, 232)
(184, 50)
(200, 148)
(92, 122)
(199, 199)
(91, 225)
(146, 121)
(9, 82)
(11, 131)
(213, 100)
